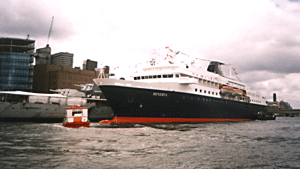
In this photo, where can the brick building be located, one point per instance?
(62, 59)
(49, 76)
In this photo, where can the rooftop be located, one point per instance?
(16, 45)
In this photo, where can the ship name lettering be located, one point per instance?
(160, 94)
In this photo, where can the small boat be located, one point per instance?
(231, 90)
(265, 116)
(76, 116)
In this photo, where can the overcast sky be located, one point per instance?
(260, 38)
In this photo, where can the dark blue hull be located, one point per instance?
(150, 103)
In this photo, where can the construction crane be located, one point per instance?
(50, 31)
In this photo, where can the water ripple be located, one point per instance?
(254, 144)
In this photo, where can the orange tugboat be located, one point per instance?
(76, 116)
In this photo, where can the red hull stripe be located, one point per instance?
(77, 124)
(120, 120)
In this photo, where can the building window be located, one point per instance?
(195, 89)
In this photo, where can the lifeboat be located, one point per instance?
(228, 90)
(76, 116)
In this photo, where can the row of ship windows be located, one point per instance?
(256, 101)
(216, 100)
(204, 91)
(156, 76)
(172, 76)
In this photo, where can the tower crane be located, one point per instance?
(50, 31)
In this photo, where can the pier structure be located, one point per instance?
(285, 113)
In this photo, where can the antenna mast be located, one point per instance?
(50, 31)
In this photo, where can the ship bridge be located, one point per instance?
(215, 67)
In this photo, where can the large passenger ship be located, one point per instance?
(179, 89)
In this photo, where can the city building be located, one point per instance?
(62, 59)
(43, 56)
(89, 65)
(16, 64)
(275, 105)
(48, 77)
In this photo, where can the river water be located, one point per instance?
(252, 144)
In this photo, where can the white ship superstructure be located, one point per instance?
(199, 76)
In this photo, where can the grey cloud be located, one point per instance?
(20, 18)
(257, 76)
(287, 41)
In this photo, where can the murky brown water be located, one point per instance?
(254, 144)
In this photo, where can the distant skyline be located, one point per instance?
(260, 38)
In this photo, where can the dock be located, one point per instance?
(286, 113)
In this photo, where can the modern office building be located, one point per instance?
(16, 64)
(48, 77)
(62, 59)
(89, 65)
